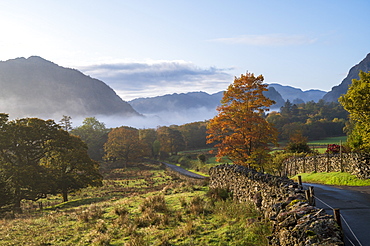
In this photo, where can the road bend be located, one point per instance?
(354, 205)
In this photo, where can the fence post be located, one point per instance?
(337, 217)
(312, 196)
(307, 193)
(300, 180)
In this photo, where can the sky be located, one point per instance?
(146, 48)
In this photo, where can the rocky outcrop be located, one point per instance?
(283, 202)
(337, 91)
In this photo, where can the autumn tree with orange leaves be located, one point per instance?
(239, 130)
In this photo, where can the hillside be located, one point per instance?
(176, 102)
(337, 91)
(296, 95)
(196, 100)
(35, 87)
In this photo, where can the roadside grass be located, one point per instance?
(333, 178)
(138, 206)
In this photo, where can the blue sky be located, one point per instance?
(149, 48)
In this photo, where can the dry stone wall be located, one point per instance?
(354, 163)
(283, 202)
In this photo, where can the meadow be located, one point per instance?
(139, 205)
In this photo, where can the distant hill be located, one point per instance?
(35, 87)
(176, 102)
(190, 101)
(337, 91)
(296, 95)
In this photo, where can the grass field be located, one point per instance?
(141, 205)
(334, 178)
(326, 141)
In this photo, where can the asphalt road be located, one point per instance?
(354, 205)
(183, 171)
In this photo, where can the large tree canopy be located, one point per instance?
(239, 130)
(38, 158)
(69, 164)
(22, 147)
(124, 144)
(357, 102)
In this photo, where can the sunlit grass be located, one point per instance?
(334, 178)
(138, 207)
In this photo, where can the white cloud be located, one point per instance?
(268, 40)
(154, 78)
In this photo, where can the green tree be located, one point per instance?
(239, 130)
(94, 134)
(298, 144)
(148, 138)
(124, 144)
(357, 102)
(194, 135)
(22, 146)
(171, 139)
(69, 165)
(66, 123)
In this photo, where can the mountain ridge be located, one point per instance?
(36, 87)
(192, 100)
(338, 90)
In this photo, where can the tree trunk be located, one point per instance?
(17, 201)
(65, 194)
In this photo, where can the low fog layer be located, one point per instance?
(164, 118)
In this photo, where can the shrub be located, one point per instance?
(120, 211)
(92, 213)
(335, 148)
(198, 205)
(156, 203)
(219, 194)
(100, 226)
(137, 239)
(202, 158)
(102, 240)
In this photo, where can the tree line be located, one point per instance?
(128, 143)
(313, 120)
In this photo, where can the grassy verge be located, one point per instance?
(138, 206)
(334, 178)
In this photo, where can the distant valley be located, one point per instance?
(35, 87)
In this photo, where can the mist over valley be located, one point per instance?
(35, 87)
